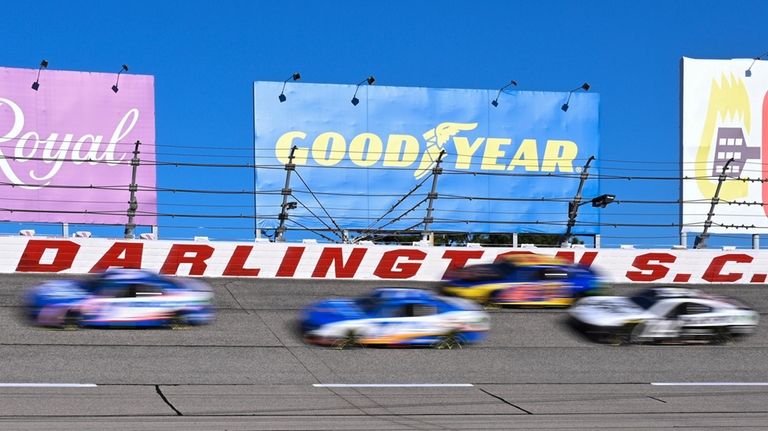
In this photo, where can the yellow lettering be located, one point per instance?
(402, 151)
(559, 153)
(465, 150)
(493, 152)
(325, 156)
(358, 153)
(527, 156)
(283, 148)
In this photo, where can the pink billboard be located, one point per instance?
(66, 148)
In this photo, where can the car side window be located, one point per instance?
(113, 290)
(675, 312)
(688, 308)
(419, 310)
(529, 274)
(481, 273)
(148, 290)
(409, 310)
(392, 311)
(694, 308)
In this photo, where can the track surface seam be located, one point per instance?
(505, 401)
(160, 392)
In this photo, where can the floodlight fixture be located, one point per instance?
(295, 77)
(585, 86)
(602, 201)
(117, 81)
(748, 72)
(370, 80)
(495, 102)
(43, 65)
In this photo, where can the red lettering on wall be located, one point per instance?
(587, 258)
(290, 262)
(236, 264)
(390, 268)
(459, 259)
(33, 252)
(121, 255)
(714, 274)
(195, 254)
(649, 270)
(333, 255)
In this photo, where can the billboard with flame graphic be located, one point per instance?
(725, 116)
(66, 146)
(509, 167)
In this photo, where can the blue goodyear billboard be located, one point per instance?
(510, 168)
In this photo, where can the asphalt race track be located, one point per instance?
(251, 371)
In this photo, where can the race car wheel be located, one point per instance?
(492, 301)
(178, 321)
(636, 333)
(627, 334)
(451, 340)
(721, 336)
(71, 321)
(351, 339)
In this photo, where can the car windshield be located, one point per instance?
(645, 299)
(368, 303)
(483, 272)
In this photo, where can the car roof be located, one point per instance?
(403, 293)
(131, 275)
(532, 259)
(393, 296)
(679, 294)
(676, 292)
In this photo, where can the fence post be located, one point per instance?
(290, 167)
(436, 171)
(133, 205)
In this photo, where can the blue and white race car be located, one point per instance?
(120, 298)
(395, 317)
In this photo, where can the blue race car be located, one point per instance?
(120, 298)
(395, 317)
(524, 279)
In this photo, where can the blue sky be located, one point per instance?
(206, 55)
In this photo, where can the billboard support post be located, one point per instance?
(436, 171)
(133, 205)
(756, 241)
(701, 240)
(289, 167)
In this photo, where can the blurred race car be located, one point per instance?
(120, 298)
(395, 317)
(523, 280)
(663, 315)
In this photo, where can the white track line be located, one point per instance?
(710, 384)
(47, 385)
(393, 385)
